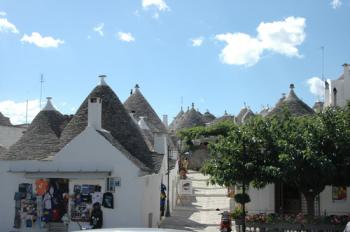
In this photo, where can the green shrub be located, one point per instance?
(242, 198)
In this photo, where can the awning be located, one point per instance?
(68, 175)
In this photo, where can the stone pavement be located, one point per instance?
(197, 212)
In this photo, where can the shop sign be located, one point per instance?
(112, 183)
(185, 187)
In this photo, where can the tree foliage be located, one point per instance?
(308, 152)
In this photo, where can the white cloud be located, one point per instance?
(126, 36)
(16, 111)
(6, 26)
(3, 14)
(241, 49)
(281, 37)
(159, 4)
(40, 41)
(197, 42)
(316, 86)
(336, 3)
(99, 29)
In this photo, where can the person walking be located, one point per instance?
(162, 202)
(185, 164)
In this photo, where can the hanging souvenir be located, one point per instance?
(41, 186)
(107, 201)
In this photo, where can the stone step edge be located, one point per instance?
(203, 195)
(185, 208)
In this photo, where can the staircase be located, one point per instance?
(197, 211)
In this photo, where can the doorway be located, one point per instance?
(55, 199)
(287, 199)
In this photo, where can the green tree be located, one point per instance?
(240, 157)
(314, 151)
(336, 144)
(301, 158)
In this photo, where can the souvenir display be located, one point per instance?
(41, 186)
(49, 203)
(77, 188)
(25, 206)
(82, 200)
(53, 202)
(107, 200)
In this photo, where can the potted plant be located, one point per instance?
(237, 216)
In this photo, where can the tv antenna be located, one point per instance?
(322, 50)
(41, 88)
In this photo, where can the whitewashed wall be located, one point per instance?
(328, 206)
(262, 200)
(9, 135)
(9, 185)
(339, 85)
(133, 200)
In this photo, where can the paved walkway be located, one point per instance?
(197, 212)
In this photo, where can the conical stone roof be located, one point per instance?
(249, 114)
(176, 120)
(41, 137)
(208, 117)
(223, 118)
(190, 119)
(139, 106)
(3, 150)
(4, 121)
(240, 115)
(264, 111)
(293, 104)
(116, 120)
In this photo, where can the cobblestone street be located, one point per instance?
(198, 211)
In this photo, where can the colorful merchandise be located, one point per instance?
(41, 186)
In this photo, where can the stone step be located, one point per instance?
(193, 208)
(206, 195)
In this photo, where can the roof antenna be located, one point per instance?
(41, 88)
(322, 49)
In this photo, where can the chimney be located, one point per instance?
(165, 120)
(346, 71)
(102, 79)
(160, 143)
(95, 112)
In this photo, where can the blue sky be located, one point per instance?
(217, 54)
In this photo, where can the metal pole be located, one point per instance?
(167, 213)
(243, 186)
(41, 88)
